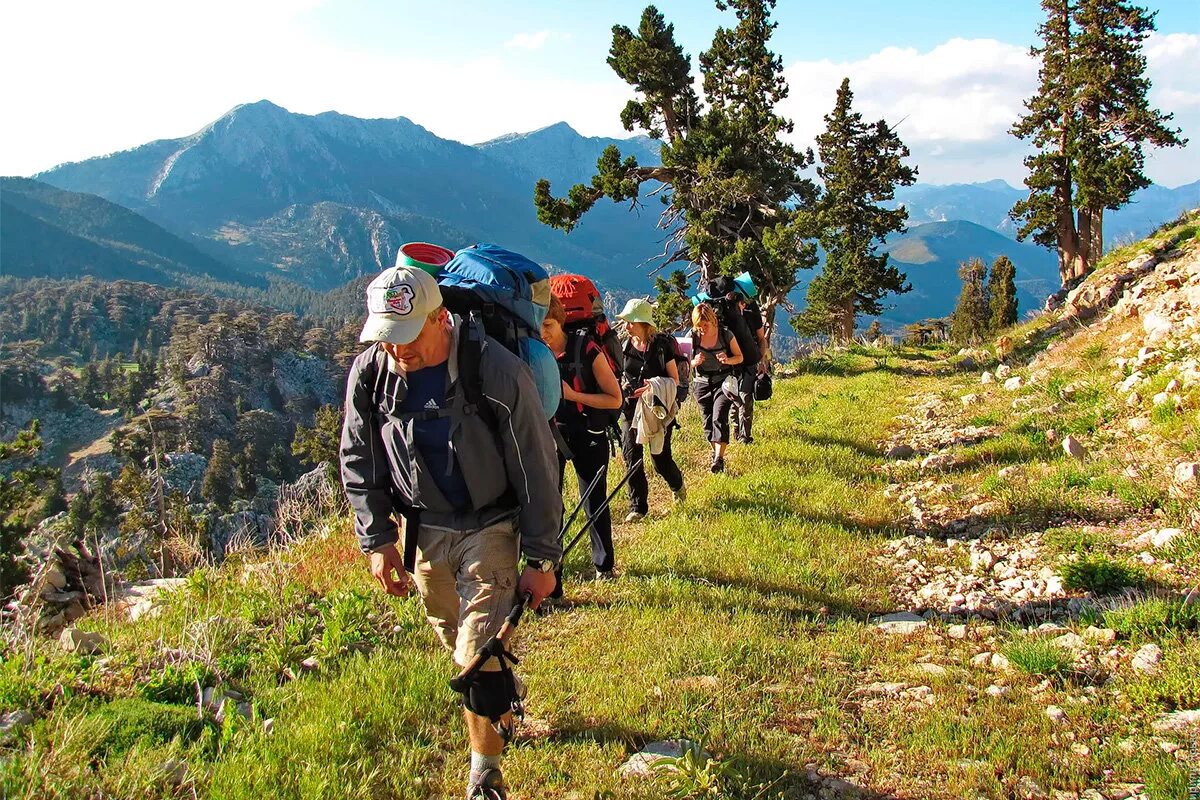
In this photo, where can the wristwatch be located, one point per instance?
(540, 564)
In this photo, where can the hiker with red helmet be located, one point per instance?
(648, 354)
(591, 394)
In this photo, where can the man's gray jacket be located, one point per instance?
(509, 472)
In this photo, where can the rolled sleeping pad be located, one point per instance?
(425, 256)
(546, 376)
(745, 285)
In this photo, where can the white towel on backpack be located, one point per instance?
(651, 429)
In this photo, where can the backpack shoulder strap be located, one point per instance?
(470, 359)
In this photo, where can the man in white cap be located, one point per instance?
(464, 480)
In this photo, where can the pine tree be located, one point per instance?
(217, 485)
(1002, 294)
(27, 495)
(246, 470)
(1089, 122)
(969, 324)
(321, 442)
(731, 185)
(874, 330)
(861, 167)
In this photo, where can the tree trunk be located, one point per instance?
(1084, 229)
(1069, 266)
(1096, 248)
(843, 322)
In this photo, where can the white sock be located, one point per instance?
(481, 763)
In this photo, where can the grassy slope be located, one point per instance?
(763, 581)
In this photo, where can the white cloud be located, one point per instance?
(84, 94)
(954, 104)
(123, 73)
(529, 41)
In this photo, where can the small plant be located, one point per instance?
(694, 774)
(1154, 615)
(1100, 574)
(348, 623)
(1073, 541)
(1039, 657)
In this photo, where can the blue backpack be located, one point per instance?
(504, 295)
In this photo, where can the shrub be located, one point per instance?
(1039, 657)
(133, 720)
(1100, 574)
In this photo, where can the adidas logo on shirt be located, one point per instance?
(432, 404)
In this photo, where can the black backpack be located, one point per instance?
(578, 337)
(723, 295)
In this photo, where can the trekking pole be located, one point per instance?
(495, 647)
(604, 507)
(582, 499)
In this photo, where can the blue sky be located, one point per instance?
(99, 77)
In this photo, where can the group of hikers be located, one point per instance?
(483, 377)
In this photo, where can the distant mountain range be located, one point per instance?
(988, 203)
(48, 232)
(263, 194)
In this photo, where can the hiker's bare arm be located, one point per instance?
(609, 395)
(735, 358)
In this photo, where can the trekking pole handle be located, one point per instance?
(493, 646)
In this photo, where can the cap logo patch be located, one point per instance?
(399, 299)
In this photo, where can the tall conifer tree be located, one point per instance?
(861, 166)
(1089, 122)
(969, 324)
(735, 200)
(217, 484)
(1002, 294)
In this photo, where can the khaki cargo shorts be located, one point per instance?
(468, 581)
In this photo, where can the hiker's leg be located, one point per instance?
(437, 583)
(638, 487)
(558, 573)
(706, 390)
(487, 587)
(591, 457)
(664, 463)
(745, 404)
(722, 403)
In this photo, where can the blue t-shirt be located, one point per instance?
(427, 392)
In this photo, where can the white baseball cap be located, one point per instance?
(398, 301)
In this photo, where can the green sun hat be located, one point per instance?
(637, 310)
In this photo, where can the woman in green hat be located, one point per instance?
(648, 354)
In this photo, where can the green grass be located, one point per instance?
(1153, 615)
(763, 580)
(1039, 657)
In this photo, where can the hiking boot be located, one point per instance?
(746, 439)
(605, 575)
(680, 495)
(490, 786)
(718, 465)
(634, 516)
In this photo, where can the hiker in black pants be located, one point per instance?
(715, 358)
(648, 354)
(583, 427)
(748, 371)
